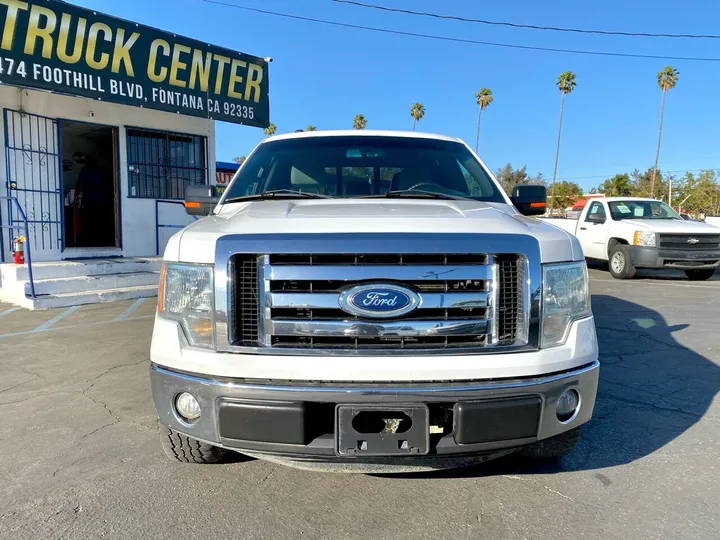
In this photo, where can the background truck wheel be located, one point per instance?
(187, 450)
(700, 275)
(554, 447)
(619, 264)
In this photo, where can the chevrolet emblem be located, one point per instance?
(693, 241)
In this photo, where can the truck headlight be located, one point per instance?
(644, 238)
(566, 298)
(186, 296)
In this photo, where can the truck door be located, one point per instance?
(591, 231)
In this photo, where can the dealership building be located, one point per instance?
(105, 122)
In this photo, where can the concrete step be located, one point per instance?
(87, 297)
(92, 283)
(77, 268)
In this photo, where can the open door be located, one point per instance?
(90, 186)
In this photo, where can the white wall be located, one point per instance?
(138, 215)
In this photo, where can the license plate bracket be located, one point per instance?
(381, 430)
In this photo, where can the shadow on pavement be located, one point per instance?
(652, 390)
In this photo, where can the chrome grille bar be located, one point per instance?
(455, 300)
(379, 272)
(356, 328)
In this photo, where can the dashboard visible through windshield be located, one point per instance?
(364, 166)
(630, 209)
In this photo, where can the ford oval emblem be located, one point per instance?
(379, 301)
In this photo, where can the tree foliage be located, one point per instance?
(566, 193)
(619, 185)
(483, 98)
(311, 128)
(668, 78)
(698, 194)
(417, 111)
(239, 160)
(694, 194)
(566, 82)
(509, 177)
(359, 122)
(270, 130)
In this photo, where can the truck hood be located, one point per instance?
(672, 226)
(196, 243)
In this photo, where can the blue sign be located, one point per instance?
(379, 301)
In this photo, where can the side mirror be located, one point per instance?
(200, 200)
(595, 218)
(530, 200)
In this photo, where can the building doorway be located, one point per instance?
(90, 185)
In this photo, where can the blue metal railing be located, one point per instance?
(159, 225)
(25, 227)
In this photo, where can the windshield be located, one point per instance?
(641, 210)
(364, 166)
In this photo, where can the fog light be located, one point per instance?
(567, 405)
(187, 407)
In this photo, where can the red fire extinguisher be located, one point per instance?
(19, 250)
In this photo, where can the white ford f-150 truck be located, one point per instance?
(631, 232)
(371, 301)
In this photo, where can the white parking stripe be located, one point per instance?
(74, 326)
(8, 311)
(129, 310)
(660, 283)
(44, 326)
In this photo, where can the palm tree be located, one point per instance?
(566, 84)
(270, 130)
(483, 98)
(311, 128)
(359, 122)
(239, 160)
(417, 111)
(667, 79)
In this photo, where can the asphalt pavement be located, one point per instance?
(80, 457)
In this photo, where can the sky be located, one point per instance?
(323, 75)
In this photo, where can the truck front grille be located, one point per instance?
(511, 297)
(292, 301)
(245, 310)
(693, 242)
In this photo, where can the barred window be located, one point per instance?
(161, 164)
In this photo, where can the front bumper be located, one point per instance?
(652, 257)
(297, 421)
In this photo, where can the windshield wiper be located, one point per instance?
(277, 194)
(418, 194)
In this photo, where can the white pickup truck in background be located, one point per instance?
(632, 233)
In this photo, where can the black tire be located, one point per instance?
(187, 450)
(620, 265)
(554, 447)
(700, 275)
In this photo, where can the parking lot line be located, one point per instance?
(44, 326)
(59, 328)
(661, 283)
(8, 311)
(124, 315)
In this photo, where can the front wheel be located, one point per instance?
(620, 265)
(186, 450)
(700, 275)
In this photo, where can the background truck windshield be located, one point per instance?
(642, 210)
(357, 166)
